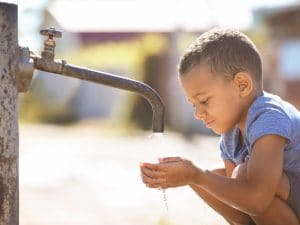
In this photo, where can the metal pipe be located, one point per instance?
(9, 135)
(61, 67)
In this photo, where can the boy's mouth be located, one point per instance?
(208, 124)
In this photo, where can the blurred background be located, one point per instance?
(81, 143)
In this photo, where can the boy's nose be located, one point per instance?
(199, 114)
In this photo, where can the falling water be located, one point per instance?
(158, 138)
(165, 198)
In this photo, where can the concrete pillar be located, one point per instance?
(9, 139)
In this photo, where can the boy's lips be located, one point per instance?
(208, 124)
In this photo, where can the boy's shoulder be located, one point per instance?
(272, 105)
(265, 103)
(269, 114)
(268, 101)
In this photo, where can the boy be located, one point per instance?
(221, 75)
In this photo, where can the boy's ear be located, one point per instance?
(243, 83)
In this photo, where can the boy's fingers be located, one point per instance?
(153, 183)
(169, 159)
(153, 173)
(152, 166)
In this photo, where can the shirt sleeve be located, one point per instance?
(271, 121)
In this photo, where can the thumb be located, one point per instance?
(169, 159)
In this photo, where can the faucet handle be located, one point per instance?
(49, 44)
(51, 33)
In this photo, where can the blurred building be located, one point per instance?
(282, 52)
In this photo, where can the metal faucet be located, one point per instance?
(49, 44)
(47, 63)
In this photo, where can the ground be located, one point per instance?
(81, 175)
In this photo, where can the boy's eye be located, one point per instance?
(204, 102)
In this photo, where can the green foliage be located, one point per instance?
(126, 55)
(34, 107)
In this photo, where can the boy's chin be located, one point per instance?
(218, 131)
(221, 131)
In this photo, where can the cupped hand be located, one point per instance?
(169, 172)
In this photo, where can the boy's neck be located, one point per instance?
(248, 103)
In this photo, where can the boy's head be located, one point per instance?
(226, 52)
(220, 73)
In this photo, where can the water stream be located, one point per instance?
(158, 138)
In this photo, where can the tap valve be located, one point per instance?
(49, 44)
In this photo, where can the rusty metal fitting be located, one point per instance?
(49, 44)
(24, 70)
(51, 32)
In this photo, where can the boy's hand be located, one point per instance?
(169, 172)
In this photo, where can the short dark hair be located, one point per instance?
(226, 51)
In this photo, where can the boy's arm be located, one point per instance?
(229, 167)
(253, 194)
(229, 213)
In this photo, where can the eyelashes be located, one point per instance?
(205, 102)
(200, 100)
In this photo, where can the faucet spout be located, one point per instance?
(61, 67)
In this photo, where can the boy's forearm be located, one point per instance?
(226, 211)
(233, 192)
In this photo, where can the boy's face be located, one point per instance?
(216, 100)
